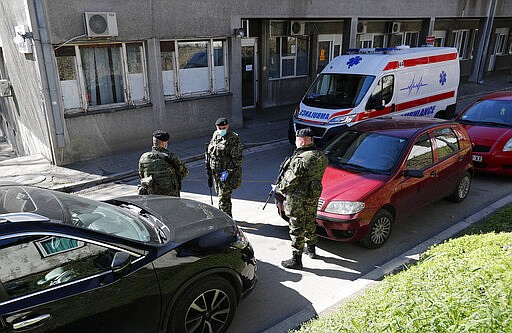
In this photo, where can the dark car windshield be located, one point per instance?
(81, 212)
(490, 113)
(365, 151)
(337, 91)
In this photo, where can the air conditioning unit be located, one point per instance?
(100, 24)
(297, 28)
(394, 27)
(362, 26)
(5, 88)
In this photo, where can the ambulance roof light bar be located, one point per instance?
(383, 50)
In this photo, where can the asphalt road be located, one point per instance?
(284, 298)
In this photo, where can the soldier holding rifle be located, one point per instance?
(301, 184)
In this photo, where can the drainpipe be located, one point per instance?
(478, 69)
(49, 86)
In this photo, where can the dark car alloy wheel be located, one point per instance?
(462, 190)
(379, 230)
(209, 307)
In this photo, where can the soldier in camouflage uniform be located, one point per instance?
(301, 184)
(160, 170)
(225, 155)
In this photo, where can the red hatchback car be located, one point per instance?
(488, 122)
(383, 169)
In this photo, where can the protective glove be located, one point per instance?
(274, 187)
(224, 176)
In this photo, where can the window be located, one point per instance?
(411, 38)
(93, 76)
(34, 263)
(421, 155)
(500, 47)
(371, 40)
(201, 67)
(382, 93)
(446, 142)
(288, 57)
(463, 42)
(395, 40)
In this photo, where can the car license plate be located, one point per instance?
(477, 158)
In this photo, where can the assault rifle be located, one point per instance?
(282, 168)
(209, 171)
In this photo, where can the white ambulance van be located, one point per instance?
(367, 83)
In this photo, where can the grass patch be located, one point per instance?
(461, 285)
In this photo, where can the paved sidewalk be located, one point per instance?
(260, 127)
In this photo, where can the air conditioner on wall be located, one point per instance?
(100, 24)
(297, 28)
(394, 27)
(361, 27)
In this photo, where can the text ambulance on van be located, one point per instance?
(367, 83)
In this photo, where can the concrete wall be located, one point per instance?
(25, 113)
(111, 130)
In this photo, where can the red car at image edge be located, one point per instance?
(488, 122)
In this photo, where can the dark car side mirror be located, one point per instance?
(121, 262)
(414, 173)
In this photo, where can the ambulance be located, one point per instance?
(367, 83)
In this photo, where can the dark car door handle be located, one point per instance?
(433, 173)
(30, 322)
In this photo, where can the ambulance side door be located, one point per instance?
(381, 100)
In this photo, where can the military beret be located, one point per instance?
(221, 121)
(304, 132)
(161, 135)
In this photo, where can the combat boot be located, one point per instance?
(310, 251)
(294, 263)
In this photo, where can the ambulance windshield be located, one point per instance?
(338, 91)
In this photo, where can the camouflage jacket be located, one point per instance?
(225, 152)
(304, 173)
(165, 167)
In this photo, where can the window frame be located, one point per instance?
(279, 44)
(502, 36)
(210, 50)
(425, 137)
(436, 134)
(127, 89)
(463, 40)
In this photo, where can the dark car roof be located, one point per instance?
(401, 126)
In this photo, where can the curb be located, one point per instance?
(400, 262)
(78, 186)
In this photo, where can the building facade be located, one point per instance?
(81, 79)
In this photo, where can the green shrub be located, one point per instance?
(462, 285)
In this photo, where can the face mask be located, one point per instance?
(222, 132)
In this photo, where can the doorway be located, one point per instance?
(249, 73)
(329, 46)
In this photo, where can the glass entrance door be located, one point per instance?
(249, 74)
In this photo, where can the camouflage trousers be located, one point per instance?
(302, 212)
(224, 192)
